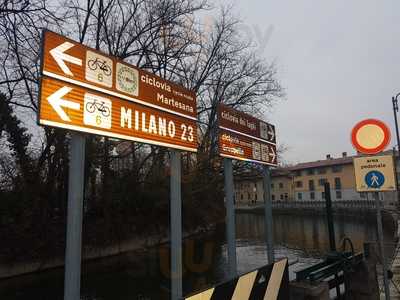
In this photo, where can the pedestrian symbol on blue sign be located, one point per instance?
(374, 179)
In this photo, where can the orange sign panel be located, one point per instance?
(69, 61)
(72, 107)
(244, 137)
(86, 90)
(240, 122)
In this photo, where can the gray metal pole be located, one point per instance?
(268, 213)
(382, 250)
(230, 217)
(72, 281)
(396, 154)
(176, 226)
(396, 109)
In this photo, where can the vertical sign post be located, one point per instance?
(246, 138)
(176, 226)
(381, 247)
(230, 217)
(72, 281)
(268, 214)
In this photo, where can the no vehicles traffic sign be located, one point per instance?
(370, 136)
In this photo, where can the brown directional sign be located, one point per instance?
(72, 107)
(85, 90)
(244, 137)
(69, 61)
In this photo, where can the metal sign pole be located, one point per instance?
(268, 213)
(176, 226)
(381, 247)
(329, 216)
(72, 279)
(230, 217)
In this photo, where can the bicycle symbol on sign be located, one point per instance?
(98, 63)
(91, 107)
(97, 111)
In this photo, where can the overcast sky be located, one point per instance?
(338, 61)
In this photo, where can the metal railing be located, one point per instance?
(369, 204)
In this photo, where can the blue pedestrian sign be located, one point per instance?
(374, 179)
(374, 173)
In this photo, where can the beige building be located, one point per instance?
(305, 182)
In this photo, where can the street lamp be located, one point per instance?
(396, 109)
(396, 154)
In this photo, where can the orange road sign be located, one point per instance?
(69, 61)
(244, 137)
(237, 146)
(242, 123)
(69, 106)
(86, 90)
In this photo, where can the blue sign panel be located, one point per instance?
(374, 179)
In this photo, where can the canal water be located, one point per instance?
(143, 275)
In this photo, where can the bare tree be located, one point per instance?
(164, 37)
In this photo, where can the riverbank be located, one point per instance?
(91, 253)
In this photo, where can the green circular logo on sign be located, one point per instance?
(127, 79)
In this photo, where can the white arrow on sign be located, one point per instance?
(272, 153)
(271, 132)
(56, 102)
(60, 57)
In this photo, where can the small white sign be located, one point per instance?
(256, 151)
(264, 130)
(99, 68)
(374, 173)
(127, 79)
(264, 152)
(97, 111)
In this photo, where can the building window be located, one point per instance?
(272, 185)
(273, 197)
(312, 195)
(311, 186)
(338, 184)
(255, 197)
(299, 184)
(337, 169)
(286, 196)
(299, 196)
(297, 173)
(310, 171)
(322, 181)
(241, 196)
(280, 185)
(281, 197)
(338, 194)
(321, 171)
(248, 196)
(323, 195)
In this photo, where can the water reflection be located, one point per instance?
(309, 233)
(144, 275)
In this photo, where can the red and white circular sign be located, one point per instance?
(370, 136)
